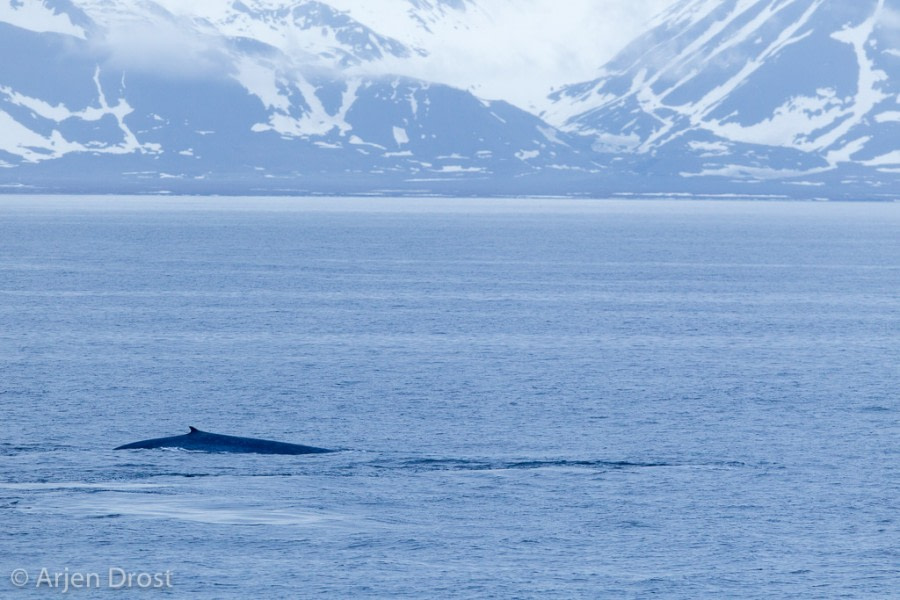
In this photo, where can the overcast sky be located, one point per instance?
(514, 49)
(570, 42)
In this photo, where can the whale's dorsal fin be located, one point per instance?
(193, 429)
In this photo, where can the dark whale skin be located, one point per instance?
(203, 441)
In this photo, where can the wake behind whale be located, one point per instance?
(203, 441)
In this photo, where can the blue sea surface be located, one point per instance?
(531, 398)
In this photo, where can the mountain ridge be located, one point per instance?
(259, 96)
(736, 74)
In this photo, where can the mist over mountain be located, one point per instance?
(787, 97)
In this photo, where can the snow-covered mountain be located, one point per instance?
(755, 89)
(792, 97)
(254, 94)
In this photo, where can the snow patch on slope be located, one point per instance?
(21, 141)
(400, 136)
(37, 16)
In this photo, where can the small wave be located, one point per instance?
(450, 464)
(152, 474)
(7, 449)
(200, 510)
(73, 485)
(590, 464)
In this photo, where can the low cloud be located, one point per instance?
(889, 27)
(163, 46)
(521, 49)
(518, 50)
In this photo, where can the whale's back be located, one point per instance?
(202, 441)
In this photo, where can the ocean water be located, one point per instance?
(531, 398)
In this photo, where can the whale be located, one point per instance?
(203, 441)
